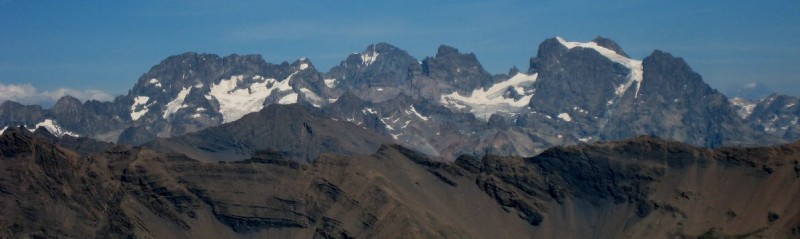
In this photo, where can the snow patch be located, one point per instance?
(369, 110)
(312, 97)
(140, 101)
(331, 83)
(303, 66)
(54, 128)
(288, 99)
(485, 102)
(565, 117)
(236, 102)
(177, 104)
(744, 108)
(155, 82)
(414, 112)
(3, 130)
(635, 66)
(369, 57)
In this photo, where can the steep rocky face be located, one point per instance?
(102, 120)
(462, 71)
(15, 114)
(577, 80)
(645, 187)
(675, 103)
(595, 91)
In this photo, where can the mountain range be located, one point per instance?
(446, 105)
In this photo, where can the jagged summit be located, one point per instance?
(445, 50)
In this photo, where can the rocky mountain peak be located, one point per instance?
(379, 73)
(575, 76)
(462, 71)
(445, 50)
(67, 104)
(666, 74)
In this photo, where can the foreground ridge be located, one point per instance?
(642, 187)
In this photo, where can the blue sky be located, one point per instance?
(57, 47)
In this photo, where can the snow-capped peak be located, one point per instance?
(635, 66)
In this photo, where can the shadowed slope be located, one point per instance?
(296, 131)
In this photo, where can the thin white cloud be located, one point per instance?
(27, 94)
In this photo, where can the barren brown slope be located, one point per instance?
(52, 192)
(639, 188)
(650, 188)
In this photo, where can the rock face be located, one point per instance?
(639, 188)
(446, 105)
(675, 103)
(462, 71)
(379, 73)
